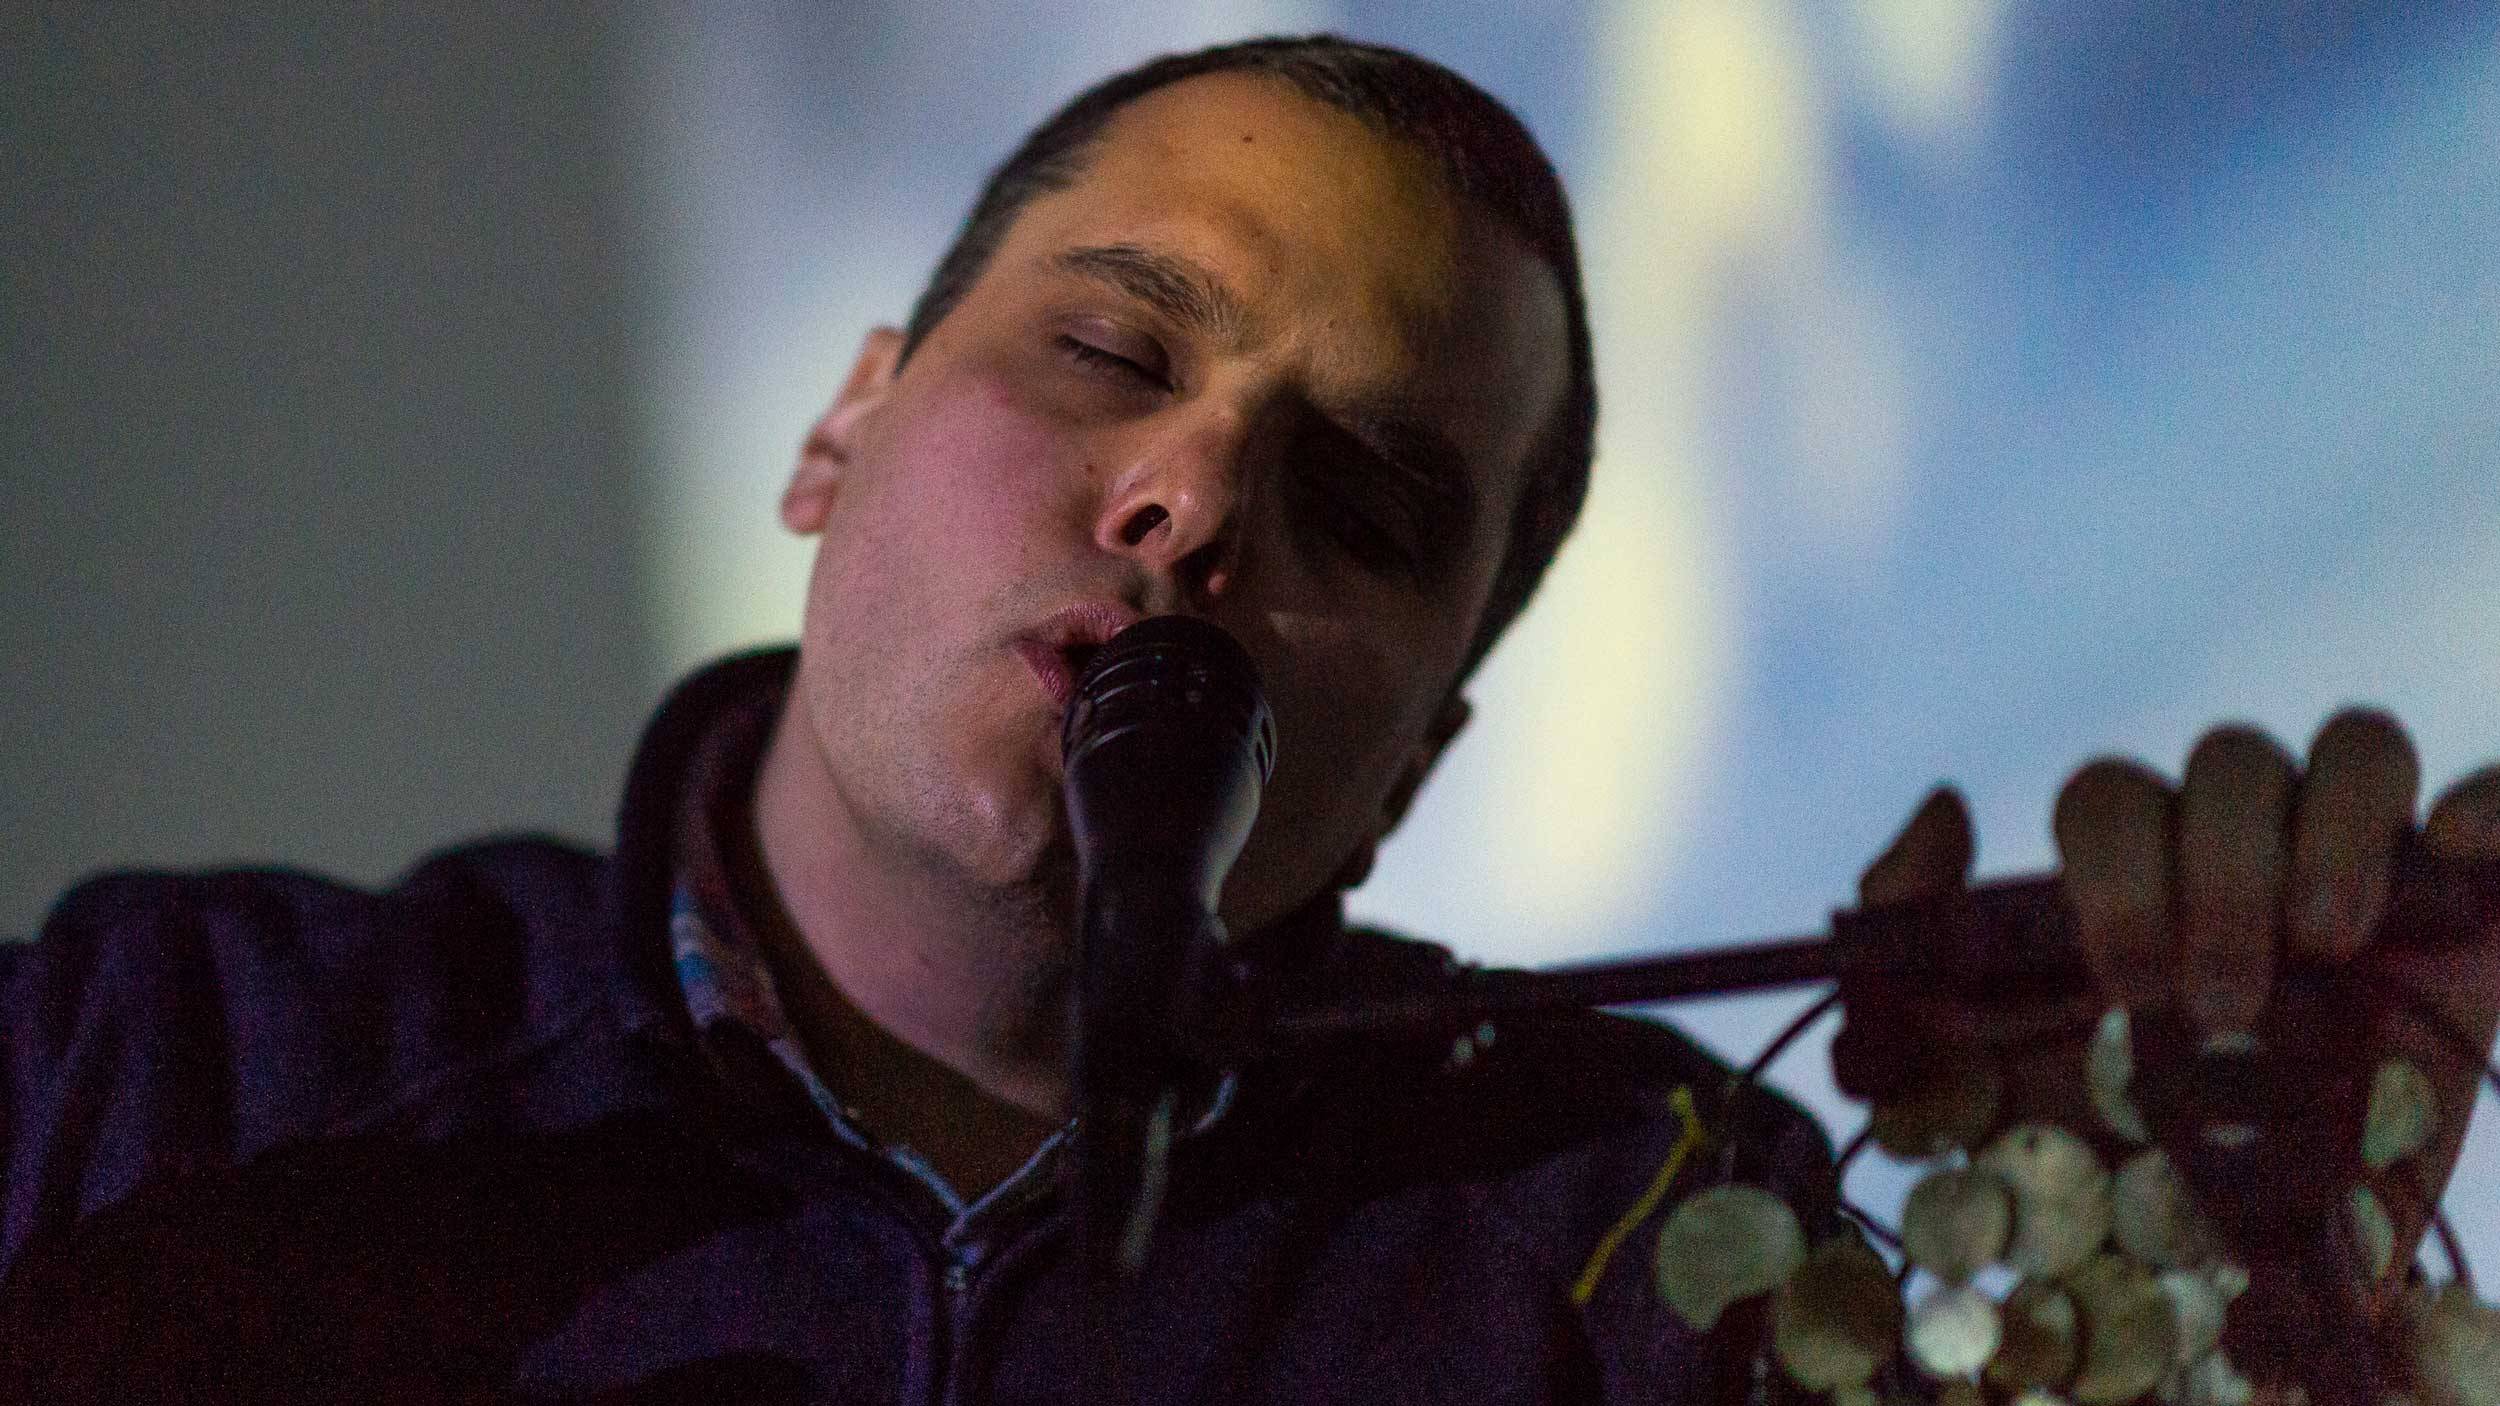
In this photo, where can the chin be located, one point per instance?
(1009, 838)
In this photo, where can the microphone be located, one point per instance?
(1167, 743)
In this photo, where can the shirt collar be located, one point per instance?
(714, 936)
(713, 940)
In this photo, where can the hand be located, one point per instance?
(2196, 896)
(2191, 899)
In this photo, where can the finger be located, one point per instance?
(1886, 1032)
(1931, 855)
(2465, 821)
(2448, 997)
(2113, 824)
(2356, 803)
(2235, 805)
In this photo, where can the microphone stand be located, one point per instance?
(1233, 1025)
(2007, 939)
(2013, 930)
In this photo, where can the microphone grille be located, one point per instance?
(1167, 670)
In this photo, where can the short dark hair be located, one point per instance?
(1485, 156)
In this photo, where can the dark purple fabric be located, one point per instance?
(270, 1138)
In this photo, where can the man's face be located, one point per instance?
(1252, 365)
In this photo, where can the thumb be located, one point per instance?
(1931, 855)
(1887, 1046)
(2465, 821)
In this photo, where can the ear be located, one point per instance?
(830, 442)
(1446, 725)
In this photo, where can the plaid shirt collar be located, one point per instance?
(719, 955)
(728, 987)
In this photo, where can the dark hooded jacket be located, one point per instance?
(270, 1138)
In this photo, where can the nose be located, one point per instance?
(1175, 506)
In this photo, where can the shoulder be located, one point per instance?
(289, 910)
(477, 924)
(212, 1015)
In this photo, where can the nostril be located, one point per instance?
(1143, 521)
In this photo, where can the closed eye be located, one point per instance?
(1109, 362)
(1382, 511)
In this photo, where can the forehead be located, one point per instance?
(1308, 195)
(1349, 258)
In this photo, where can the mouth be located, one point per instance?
(1059, 649)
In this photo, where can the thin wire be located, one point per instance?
(1865, 1219)
(1752, 1075)
(1867, 1222)
(2419, 1007)
(2448, 1245)
(1856, 1145)
(1780, 1042)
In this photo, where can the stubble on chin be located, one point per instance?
(1029, 958)
(996, 874)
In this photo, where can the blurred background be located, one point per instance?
(394, 401)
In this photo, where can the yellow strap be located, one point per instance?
(1585, 1287)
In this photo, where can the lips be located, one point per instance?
(1057, 649)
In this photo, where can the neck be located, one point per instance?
(910, 988)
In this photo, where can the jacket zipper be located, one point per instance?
(946, 1383)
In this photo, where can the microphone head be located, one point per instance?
(1167, 742)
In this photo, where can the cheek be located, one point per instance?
(971, 484)
(976, 460)
(1339, 747)
(1361, 697)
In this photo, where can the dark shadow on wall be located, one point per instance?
(318, 424)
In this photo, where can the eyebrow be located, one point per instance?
(1184, 291)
